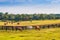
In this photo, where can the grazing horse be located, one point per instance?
(29, 27)
(18, 28)
(37, 27)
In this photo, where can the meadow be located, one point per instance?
(43, 34)
(29, 23)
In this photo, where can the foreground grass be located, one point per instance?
(43, 34)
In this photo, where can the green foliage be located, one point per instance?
(26, 17)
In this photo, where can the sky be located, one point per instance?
(30, 6)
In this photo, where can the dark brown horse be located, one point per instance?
(18, 28)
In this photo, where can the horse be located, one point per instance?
(37, 27)
(18, 28)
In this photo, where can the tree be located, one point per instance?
(17, 17)
(1, 15)
(27, 17)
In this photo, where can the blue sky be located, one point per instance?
(27, 2)
(24, 2)
(30, 6)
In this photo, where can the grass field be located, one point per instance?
(34, 22)
(43, 34)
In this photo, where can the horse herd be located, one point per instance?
(36, 27)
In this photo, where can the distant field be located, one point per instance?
(34, 22)
(44, 34)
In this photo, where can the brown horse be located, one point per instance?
(37, 27)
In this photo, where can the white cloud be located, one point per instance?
(30, 10)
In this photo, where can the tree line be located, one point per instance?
(27, 17)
